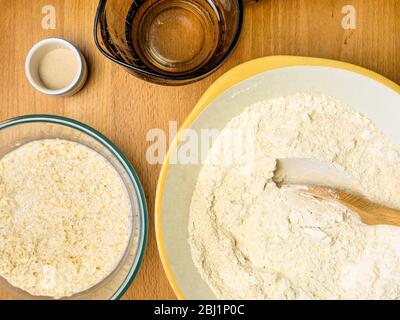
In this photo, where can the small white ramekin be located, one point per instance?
(37, 53)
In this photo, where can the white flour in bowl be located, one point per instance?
(252, 240)
(65, 218)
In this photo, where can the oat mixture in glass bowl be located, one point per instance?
(73, 215)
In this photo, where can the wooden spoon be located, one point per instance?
(369, 212)
(311, 177)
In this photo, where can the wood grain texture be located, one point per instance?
(125, 108)
(369, 212)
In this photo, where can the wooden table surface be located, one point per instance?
(125, 108)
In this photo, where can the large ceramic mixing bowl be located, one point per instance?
(365, 91)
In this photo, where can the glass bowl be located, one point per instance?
(22, 130)
(113, 35)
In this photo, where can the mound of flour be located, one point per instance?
(253, 240)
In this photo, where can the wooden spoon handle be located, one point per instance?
(369, 212)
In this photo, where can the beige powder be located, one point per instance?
(65, 218)
(251, 239)
(58, 69)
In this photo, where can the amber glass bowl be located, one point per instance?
(169, 42)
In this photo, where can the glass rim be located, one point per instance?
(126, 164)
(175, 78)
